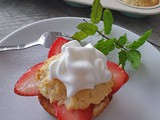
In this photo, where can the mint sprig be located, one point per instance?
(127, 51)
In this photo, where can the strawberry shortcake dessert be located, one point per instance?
(75, 82)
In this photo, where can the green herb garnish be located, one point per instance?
(127, 51)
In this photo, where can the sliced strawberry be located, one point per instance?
(27, 84)
(119, 76)
(56, 46)
(63, 114)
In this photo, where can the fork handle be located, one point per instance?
(18, 47)
(12, 47)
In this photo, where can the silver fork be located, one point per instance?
(45, 40)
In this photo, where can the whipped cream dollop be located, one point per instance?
(79, 67)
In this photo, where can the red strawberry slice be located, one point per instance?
(56, 46)
(27, 83)
(63, 114)
(119, 75)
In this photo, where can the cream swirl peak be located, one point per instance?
(79, 67)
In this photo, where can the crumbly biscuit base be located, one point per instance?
(98, 109)
(54, 90)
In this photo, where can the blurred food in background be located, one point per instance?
(142, 3)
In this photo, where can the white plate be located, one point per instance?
(139, 99)
(116, 5)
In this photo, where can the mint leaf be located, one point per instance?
(96, 11)
(107, 21)
(79, 35)
(121, 41)
(122, 58)
(88, 28)
(136, 44)
(105, 46)
(134, 56)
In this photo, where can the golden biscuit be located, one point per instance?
(54, 90)
(98, 109)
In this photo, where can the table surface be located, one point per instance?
(17, 13)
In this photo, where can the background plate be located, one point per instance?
(115, 5)
(139, 99)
